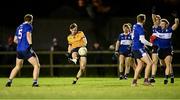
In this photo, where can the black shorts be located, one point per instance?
(138, 54)
(25, 54)
(155, 49)
(164, 52)
(75, 50)
(126, 54)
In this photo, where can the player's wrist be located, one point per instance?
(30, 45)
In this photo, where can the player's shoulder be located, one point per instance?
(80, 32)
(27, 25)
(69, 36)
(121, 34)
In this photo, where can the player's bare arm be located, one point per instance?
(15, 39)
(29, 38)
(176, 24)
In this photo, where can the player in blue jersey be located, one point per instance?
(123, 49)
(165, 50)
(153, 39)
(23, 38)
(139, 52)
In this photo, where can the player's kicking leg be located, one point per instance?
(83, 62)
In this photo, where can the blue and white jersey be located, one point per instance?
(21, 33)
(138, 30)
(164, 37)
(125, 42)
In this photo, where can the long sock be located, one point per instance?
(146, 80)
(126, 75)
(10, 80)
(76, 78)
(121, 74)
(166, 77)
(172, 75)
(35, 81)
(153, 76)
(134, 81)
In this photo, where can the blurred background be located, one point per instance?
(100, 20)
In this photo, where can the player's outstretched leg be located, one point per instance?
(83, 61)
(19, 63)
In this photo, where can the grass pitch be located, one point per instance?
(88, 88)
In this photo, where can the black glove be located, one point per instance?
(153, 10)
(116, 53)
(30, 45)
(174, 14)
(115, 56)
(68, 55)
(30, 48)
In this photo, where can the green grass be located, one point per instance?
(88, 88)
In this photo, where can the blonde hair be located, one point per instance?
(164, 20)
(127, 25)
(158, 16)
(141, 17)
(28, 17)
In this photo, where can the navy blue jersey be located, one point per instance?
(125, 42)
(164, 37)
(21, 33)
(138, 30)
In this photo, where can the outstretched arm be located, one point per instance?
(176, 20)
(176, 24)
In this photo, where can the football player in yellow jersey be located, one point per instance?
(76, 40)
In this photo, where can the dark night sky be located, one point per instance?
(13, 11)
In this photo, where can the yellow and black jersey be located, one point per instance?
(77, 40)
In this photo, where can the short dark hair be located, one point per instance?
(73, 25)
(28, 17)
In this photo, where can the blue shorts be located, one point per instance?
(155, 49)
(25, 54)
(164, 52)
(138, 54)
(126, 54)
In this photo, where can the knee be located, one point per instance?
(17, 67)
(150, 63)
(82, 68)
(37, 66)
(122, 64)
